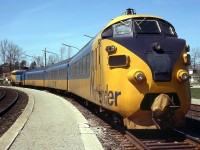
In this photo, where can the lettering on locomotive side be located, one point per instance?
(110, 98)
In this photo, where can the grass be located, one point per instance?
(195, 93)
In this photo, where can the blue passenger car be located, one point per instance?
(56, 76)
(34, 78)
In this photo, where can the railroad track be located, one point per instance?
(193, 121)
(195, 108)
(2, 94)
(114, 138)
(194, 112)
(8, 98)
(162, 140)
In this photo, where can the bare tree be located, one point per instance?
(33, 65)
(62, 52)
(52, 60)
(22, 64)
(16, 65)
(3, 50)
(14, 53)
(39, 61)
(195, 57)
(69, 52)
(10, 52)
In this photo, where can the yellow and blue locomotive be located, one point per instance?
(136, 68)
(17, 77)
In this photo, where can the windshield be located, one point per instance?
(124, 27)
(131, 27)
(147, 26)
(167, 29)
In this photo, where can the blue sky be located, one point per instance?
(34, 25)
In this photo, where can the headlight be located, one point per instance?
(111, 49)
(182, 75)
(136, 76)
(157, 46)
(139, 76)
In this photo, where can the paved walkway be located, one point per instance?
(49, 122)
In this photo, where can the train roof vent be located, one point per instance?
(130, 11)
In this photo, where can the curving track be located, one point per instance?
(2, 94)
(8, 98)
(11, 107)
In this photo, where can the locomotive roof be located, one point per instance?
(124, 17)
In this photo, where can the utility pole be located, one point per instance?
(45, 56)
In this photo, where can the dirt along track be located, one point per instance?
(9, 117)
(194, 112)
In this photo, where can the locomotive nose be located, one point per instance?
(163, 112)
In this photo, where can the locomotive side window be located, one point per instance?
(167, 29)
(146, 26)
(107, 33)
(124, 27)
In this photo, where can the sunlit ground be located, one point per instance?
(195, 92)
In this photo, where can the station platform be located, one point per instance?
(49, 122)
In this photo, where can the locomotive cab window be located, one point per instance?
(121, 29)
(168, 29)
(107, 33)
(124, 27)
(147, 26)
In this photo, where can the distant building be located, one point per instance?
(6, 76)
(194, 77)
(191, 71)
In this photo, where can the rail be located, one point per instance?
(3, 94)
(135, 141)
(8, 101)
